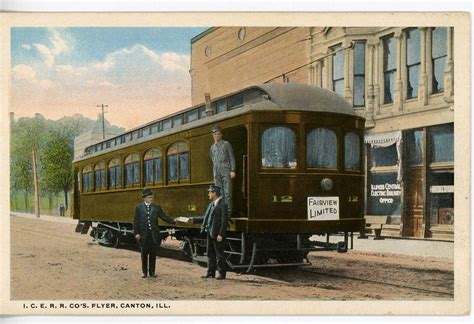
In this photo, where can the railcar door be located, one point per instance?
(237, 136)
(76, 203)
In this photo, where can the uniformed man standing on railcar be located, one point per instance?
(214, 224)
(147, 231)
(223, 162)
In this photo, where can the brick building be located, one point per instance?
(399, 79)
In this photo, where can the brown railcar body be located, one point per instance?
(267, 200)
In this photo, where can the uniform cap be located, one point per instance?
(216, 129)
(147, 192)
(215, 189)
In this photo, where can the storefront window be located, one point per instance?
(278, 148)
(321, 149)
(442, 143)
(384, 194)
(442, 197)
(414, 147)
(384, 156)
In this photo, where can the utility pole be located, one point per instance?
(103, 119)
(35, 184)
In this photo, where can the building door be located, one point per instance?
(413, 216)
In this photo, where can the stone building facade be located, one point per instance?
(400, 79)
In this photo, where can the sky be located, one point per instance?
(140, 73)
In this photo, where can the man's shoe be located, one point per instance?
(153, 275)
(220, 277)
(208, 275)
(144, 276)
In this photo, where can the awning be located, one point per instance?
(383, 139)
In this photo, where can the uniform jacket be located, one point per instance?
(140, 223)
(219, 218)
(222, 157)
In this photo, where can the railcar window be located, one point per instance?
(132, 167)
(352, 154)
(167, 124)
(152, 166)
(87, 178)
(178, 162)
(321, 149)
(177, 120)
(114, 174)
(99, 176)
(192, 115)
(279, 148)
(202, 112)
(236, 101)
(438, 57)
(221, 106)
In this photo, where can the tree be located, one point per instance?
(26, 135)
(57, 158)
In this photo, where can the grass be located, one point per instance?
(17, 203)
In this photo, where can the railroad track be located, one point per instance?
(385, 283)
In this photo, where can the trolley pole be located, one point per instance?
(103, 119)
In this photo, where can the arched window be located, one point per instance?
(114, 174)
(321, 149)
(178, 162)
(352, 151)
(279, 148)
(132, 170)
(152, 166)
(99, 176)
(87, 178)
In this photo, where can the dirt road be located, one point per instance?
(49, 261)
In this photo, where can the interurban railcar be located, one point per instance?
(300, 174)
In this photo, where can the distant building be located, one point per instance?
(93, 136)
(399, 79)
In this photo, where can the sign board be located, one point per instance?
(323, 208)
(441, 189)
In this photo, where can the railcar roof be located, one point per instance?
(274, 96)
(296, 96)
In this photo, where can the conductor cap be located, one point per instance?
(147, 192)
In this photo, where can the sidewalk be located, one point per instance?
(420, 248)
(60, 219)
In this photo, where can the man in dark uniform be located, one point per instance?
(223, 165)
(147, 231)
(214, 223)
